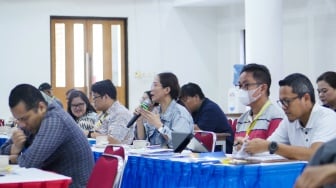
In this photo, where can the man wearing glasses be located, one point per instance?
(308, 125)
(47, 138)
(263, 117)
(114, 117)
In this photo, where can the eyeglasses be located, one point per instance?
(79, 105)
(286, 102)
(96, 97)
(247, 85)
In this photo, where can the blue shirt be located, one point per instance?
(210, 117)
(176, 118)
(59, 146)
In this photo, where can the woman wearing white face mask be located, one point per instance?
(263, 117)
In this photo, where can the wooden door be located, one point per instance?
(85, 51)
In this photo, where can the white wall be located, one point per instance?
(199, 44)
(161, 38)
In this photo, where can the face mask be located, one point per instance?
(246, 96)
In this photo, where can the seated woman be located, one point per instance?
(169, 115)
(326, 88)
(80, 108)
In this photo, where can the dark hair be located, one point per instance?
(329, 77)
(300, 85)
(260, 73)
(148, 93)
(44, 86)
(26, 93)
(105, 87)
(190, 90)
(69, 91)
(168, 79)
(77, 93)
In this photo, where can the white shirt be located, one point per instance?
(320, 127)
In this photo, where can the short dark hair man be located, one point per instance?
(207, 115)
(114, 117)
(308, 125)
(47, 138)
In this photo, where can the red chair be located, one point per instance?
(207, 138)
(115, 150)
(106, 172)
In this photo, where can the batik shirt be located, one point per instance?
(113, 122)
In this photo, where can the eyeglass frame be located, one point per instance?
(96, 97)
(79, 105)
(286, 102)
(247, 85)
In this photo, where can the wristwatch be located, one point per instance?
(273, 147)
(161, 130)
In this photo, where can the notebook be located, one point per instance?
(183, 141)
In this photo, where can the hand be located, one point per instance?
(137, 112)
(317, 176)
(19, 139)
(256, 145)
(238, 143)
(151, 117)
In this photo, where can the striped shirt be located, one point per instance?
(265, 124)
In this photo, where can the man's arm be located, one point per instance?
(291, 152)
(317, 176)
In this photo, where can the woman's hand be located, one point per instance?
(152, 117)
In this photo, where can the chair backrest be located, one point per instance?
(233, 124)
(207, 138)
(115, 150)
(106, 172)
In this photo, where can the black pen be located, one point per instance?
(236, 144)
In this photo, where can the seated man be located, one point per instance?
(47, 138)
(114, 117)
(308, 126)
(46, 88)
(263, 117)
(207, 115)
(321, 170)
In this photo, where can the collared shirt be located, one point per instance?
(114, 122)
(263, 127)
(210, 117)
(59, 146)
(176, 118)
(320, 128)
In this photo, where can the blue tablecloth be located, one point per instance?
(151, 172)
(3, 139)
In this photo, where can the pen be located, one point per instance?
(236, 144)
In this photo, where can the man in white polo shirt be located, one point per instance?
(307, 126)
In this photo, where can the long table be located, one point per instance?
(33, 177)
(154, 172)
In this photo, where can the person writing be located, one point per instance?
(263, 117)
(47, 137)
(307, 126)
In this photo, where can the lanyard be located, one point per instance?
(101, 119)
(251, 126)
